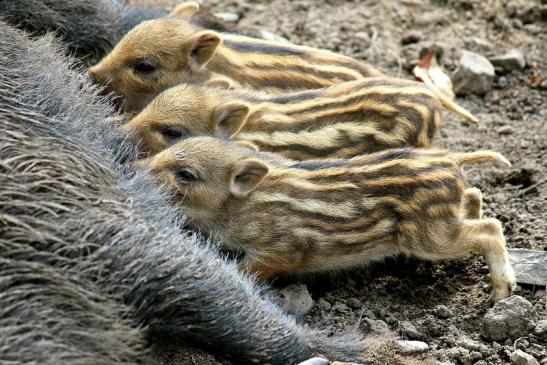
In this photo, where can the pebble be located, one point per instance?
(296, 299)
(541, 329)
(471, 345)
(228, 17)
(474, 74)
(479, 45)
(409, 330)
(413, 347)
(505, 130)
(520, 357)
(512, 60)
(529, 265)
(512, 317)
(353, 303)
(340, 307)
(442, 311)
(379, 326)
(269, 36)
(324, 305)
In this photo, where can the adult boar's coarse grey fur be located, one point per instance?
(93, 266)
(90, 28)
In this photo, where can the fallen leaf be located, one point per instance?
(430, 73)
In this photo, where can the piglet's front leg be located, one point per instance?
(266, 266)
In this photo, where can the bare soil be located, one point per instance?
(445, 301)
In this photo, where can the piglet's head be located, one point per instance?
(207, 174)
(154, 56)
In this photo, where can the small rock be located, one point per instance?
(354, 303)
(269, 36)
(479, 45)
(315, 361)
(412, 37)
(379, 326)
(512, 60)
(520, 357)
(530, 266)
(471, 345)
(442, 311)
(474, 74)
(413, 347)
(324, 305)
(505, 130)
(340, 307)
(512, 317)
(452, 328)
(228, 17)
(409, 330)
(541, 328)
(362, 36)
(296, 299)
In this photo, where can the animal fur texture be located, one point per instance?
(89, 28)
(161, 53)
(317, 215)
(93, 266)
(340, 121)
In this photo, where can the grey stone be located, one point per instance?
(228, 17)
(512, 317)
(296, 299)
(409, 330)
(512, 60)
(505, 130)
(442, 311)
(340, 307)
(474, 74)
(478, 45)
(413, 347)
(472, 345)
(379, 326)
(530, 266)
(520, 357)
(324, 305)
(541, 328)
(354, 303)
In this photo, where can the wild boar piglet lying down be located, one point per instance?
(161, 53)
(339, 121)
(288, 216)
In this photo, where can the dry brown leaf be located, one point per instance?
(430, 73)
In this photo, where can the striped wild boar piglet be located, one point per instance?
(297, 217)
(94, 268)
(339, 121)
(162, 53)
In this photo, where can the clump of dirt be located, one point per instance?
(446, 301)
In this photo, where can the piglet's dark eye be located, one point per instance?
(186, 176)
(174, 133)
(144, 67)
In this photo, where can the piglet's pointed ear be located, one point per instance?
(185, 10)
(229, 118)
(203, 46)
(220, 83)
(246, 175)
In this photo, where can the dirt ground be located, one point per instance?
(444, 301)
